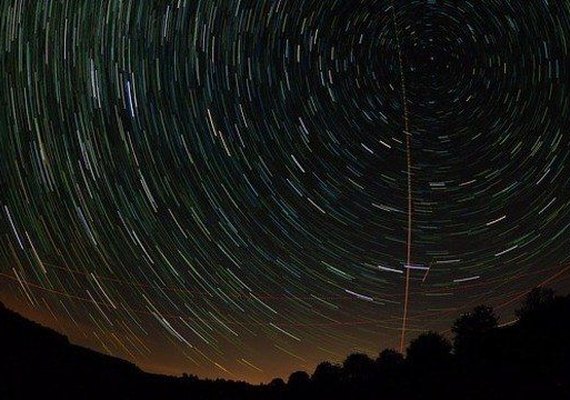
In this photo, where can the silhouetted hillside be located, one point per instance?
(38, 363)
(529, 359)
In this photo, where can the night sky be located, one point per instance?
(221, 187)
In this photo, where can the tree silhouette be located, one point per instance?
(390, 367)
(298, 379)
(358, 367)
(469, 330)
(429, 349)
(359, 371)
(536, 300)
(277, 384)
(277, 388)
(327, 374)
(389, 359)
(327, 379)
(429, 358)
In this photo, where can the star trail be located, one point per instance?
(231, 187)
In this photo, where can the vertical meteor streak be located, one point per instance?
(409, 173)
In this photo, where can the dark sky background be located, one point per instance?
(220, 187)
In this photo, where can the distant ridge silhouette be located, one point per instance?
(39, 363)
(529, 359)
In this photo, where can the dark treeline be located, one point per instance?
(529, 359)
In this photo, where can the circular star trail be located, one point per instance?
(220, 187)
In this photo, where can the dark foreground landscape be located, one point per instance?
(529, 359)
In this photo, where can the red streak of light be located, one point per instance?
(409, 173)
